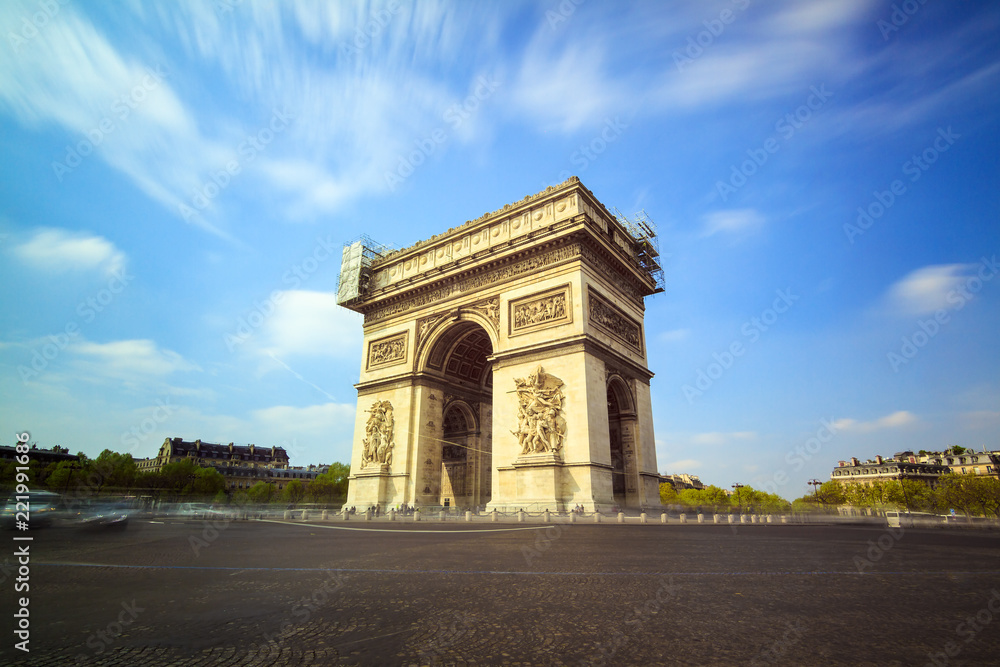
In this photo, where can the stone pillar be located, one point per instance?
(715, 518)
(416, 514)
(325, 516)
(684, 518)
(392, 514)
(642, 517)
(597, 517)
(494, 515)
(663, 517)
(545, 515)
(701, 518)
(288, 515)
(468, 516)
(621, 517)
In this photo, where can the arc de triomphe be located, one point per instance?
(504, 361)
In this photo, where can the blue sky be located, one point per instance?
(179, 178)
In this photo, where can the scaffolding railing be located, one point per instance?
(647, 244)
(355, 267)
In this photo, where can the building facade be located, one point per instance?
(242, 466)
(504, 361)
(924, 467)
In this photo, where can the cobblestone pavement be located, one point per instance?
(310, 593)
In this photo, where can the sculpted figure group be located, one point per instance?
(378, 442)
(541, 427)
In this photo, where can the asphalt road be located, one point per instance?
(262, 593)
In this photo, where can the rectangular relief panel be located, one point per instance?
(608, 318)
(550, 308)
(387, 351)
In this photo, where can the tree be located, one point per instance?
(261, 493)
(293, 492)
(330, 486)
(207, 482)
(953, 491)
(830, 493)
(668, 495)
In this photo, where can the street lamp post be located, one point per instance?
(815, 483)
(739, 497)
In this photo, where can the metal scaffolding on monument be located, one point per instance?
(647, 244)
(355, 267)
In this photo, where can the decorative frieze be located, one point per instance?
(387, 351)
(610, 319)
(476, 282)
(542, 310)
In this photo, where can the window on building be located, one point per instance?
(963, 471)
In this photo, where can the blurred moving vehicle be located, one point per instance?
(103, 515)
(897, 519)
(36, 508)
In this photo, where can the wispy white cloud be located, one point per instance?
(717, 438)
(732, 221)
(673, 336)
(927, 289)
(683, 465)
(899, 419)
(129, 359)
(60, 250)
(311, 324)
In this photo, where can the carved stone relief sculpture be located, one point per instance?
(386, 352)
(541, 427)
(379, 437)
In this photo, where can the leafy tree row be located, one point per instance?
(112, 472)
(743, 499)
(973, 495)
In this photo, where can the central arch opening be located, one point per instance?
(459, 362)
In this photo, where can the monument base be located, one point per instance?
(368, 487)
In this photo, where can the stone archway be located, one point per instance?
(622, 427)
(492, 352)
(458, 365)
